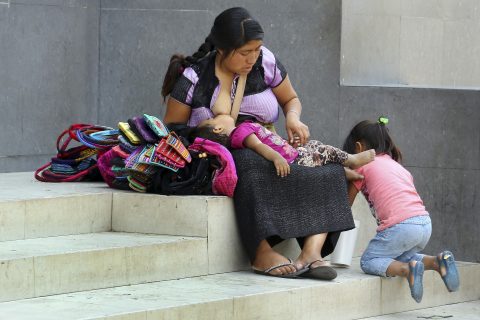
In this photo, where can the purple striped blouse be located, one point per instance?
(259, 102)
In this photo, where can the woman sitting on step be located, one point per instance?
(310, 204)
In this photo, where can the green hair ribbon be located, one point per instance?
(383, 120)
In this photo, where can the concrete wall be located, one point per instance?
(426, 44)
(90, 61)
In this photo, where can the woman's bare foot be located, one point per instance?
(303, 262)
(352, 175)
(357, 160)
(266, 258)
(311, 251)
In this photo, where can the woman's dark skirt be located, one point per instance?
(308, 201)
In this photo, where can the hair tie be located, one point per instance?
(382, 120)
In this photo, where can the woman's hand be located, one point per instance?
(282, 166)
(297, 131)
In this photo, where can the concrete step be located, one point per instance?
(244, 295)
(458, 311)
(48, 266)
(33, 209)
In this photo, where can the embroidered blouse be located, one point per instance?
(273, 140)
(198, 87)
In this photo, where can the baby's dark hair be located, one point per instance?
(207, 132)
(375, 135)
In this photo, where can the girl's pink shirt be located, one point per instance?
(390, 192)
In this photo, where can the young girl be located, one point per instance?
(272, 147)
(404, 226)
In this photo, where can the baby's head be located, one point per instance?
(216, 129)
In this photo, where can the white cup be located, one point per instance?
(343, 253)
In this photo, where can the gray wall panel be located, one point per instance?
(427, 124)
(451, 197)
(49, 62)
(135, 48)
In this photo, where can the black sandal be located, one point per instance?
(320, 272)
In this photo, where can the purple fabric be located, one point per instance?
(273, 76)
(139, 126)
(262, 105)
(224, 179)
(267, 137)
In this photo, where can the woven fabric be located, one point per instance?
(308, 201)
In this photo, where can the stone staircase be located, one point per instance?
(85, 251)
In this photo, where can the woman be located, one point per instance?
(205, 84)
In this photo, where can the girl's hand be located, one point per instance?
(297, 131)
(282, 166)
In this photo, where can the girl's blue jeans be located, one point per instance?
(401, 242)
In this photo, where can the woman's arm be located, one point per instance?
(281, 165)
(177, 112)
(292, 109)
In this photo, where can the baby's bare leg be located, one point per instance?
(357, 160)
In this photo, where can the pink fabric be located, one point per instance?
(224, 179)
(267, 137)
(390, 192)
(105, 167)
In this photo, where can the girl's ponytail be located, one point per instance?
(178, 63)
(387, 144)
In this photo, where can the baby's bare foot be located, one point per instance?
(357, 160)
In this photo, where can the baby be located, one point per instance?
(272, 147)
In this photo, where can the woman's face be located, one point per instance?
(241, 60)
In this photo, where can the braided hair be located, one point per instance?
(231, 29)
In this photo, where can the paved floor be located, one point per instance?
(459, 311)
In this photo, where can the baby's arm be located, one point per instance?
(281, 165)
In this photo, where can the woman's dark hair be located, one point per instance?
(375, 135)
(207, 132)
(232, 29)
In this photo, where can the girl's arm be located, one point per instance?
(352, 193)
(281, 165)
(177, 112)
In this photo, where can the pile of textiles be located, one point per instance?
(144, 155)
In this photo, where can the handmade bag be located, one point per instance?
(98, 137)
(70, 164)
(128, 134)
(167, 153)
(112, 168)
(142, 130)
(170, 149)
(224, 179)
(156, 125)
(150, 157)
(194, 179)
